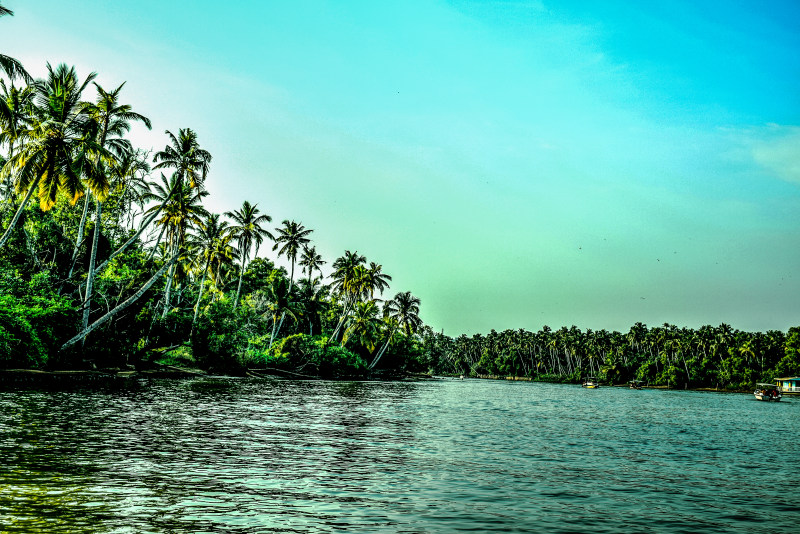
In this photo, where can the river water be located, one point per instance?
(247, 455)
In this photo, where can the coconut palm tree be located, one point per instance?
(248, 231)
(181, 208)
(364, 325)
(191, 163)
(113, 121)
(291, 238)
(212, 238)
(376, 279)
(311, 261)
(403, 310)
(58, 143)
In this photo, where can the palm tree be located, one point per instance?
(280, 305)
(181, 208)
(347, 273)
(211, 240)
(403, 309)
(291, 238)
(311, 261)
(375, 279)
(184, 154)
(58, 143)
(15, 110)
(12, 67)
(364, 325)
(248, 231)
(113, 121)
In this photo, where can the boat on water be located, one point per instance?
(768, 392)
(635, 384)
(590, 382)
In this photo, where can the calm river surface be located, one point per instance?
(245, 455)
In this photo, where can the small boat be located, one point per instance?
(635, 384)
(767, 392)
(590, 382)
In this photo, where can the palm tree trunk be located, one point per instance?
(80, 235)
(21, 208)
(130, 300)
(239, 287)
(383, 349)
(170, 276)
(200, 295)
(341, 321)
(90, 275)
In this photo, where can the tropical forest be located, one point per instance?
(111, 260)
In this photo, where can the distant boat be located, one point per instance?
(767, 392)
(590, 382)
(635, 384)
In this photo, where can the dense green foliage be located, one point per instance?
(118, 262)
(719, 357)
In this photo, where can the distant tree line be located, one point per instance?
(720, 357)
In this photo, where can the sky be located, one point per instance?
(513, 164)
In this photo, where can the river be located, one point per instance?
(248, 455)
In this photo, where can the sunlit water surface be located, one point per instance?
(244, 455)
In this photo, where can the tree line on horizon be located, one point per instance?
(109, 256)
(716, 357)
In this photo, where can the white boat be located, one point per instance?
(590, 382)
(767, 392)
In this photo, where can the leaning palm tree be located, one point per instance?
(364, 325)
(59, 140)
(403, 311)
(247, 229)
(182, 210)
(347, 275)
(11, 66)
(212, 237)
(112, 121)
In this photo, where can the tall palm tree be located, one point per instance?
(311, 261)
(58, 143)
(347, 272)
(11, 66)
(191, 163)
(181, 208)
(113, 121)
(291, 238)
(211, 240)
(15, 111)
(248, 231)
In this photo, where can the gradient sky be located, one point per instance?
(512, 163)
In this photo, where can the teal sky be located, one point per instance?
(512, 163)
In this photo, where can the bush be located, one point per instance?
(314, 356)
(31, 329)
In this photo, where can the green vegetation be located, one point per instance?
(115, 266)
(717, 357)
(121, 264)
